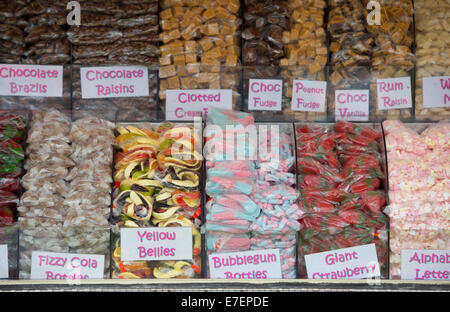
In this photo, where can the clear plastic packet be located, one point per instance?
(9, 236)
(199, 43)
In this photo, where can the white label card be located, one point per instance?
(425, 264)
(352, 105)
(255, 264)
(436, 92)
(347, 263)
(187, 104)
(31, 80)
(265, 94)
(309, 96)
(113, 82)
(4, 261)
(394, 93)
(66, 266)
(166, 243)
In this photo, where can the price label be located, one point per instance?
(187, 104)
(394, 93)
(347, 263)
(265, 94)
(255, 264)
(66, 266)
(425, 264)
(309, 96)
(3, 261)
(352, 105)
(113, 82)
(31, 80)
(171, 243)
(436, 92)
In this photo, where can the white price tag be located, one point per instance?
(347, 263)
(309, 96)
(187, 104)
(265, 94)
(352, 105)
(31, 80)
(4, 261)
(436, 92)
(66, 266)
(166, 243)
(425, 264)
(394, 93)
(113, 82)
(255, 264)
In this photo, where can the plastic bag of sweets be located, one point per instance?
(306, 52)
(432, 40)
(9, 236)
(157, 186)
(200, 46)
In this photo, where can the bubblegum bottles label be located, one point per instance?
(352, 105)
(187, 104)
(112, 82)
(265, 94)
(31, 80)
(171, 243)
(394, 93)
(66, 266)
(3, 261)
(425, 264)
(346, 263)
(255, 264)
(436, 92)
(309, 96)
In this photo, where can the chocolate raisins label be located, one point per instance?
(394, 93)
(170, 243)
(113, 82)
(66, 266)
(31, 80)
(346, 263)
(3, 261)
(419, 264)
(436, 92)
(265, 94)
(309, 96)
(352, 105)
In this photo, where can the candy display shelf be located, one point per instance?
(210, 285)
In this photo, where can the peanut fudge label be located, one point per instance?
(436, 92)
(425, 264)
(113, 82)
(309, 96)
(265, 94)
(352, 105)
(347, 263)
(187, 104)
(255, 264)
(3, 261)
(31, 80)
(66, 266)
(394, 93)
(171, 243)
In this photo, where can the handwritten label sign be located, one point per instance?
(3, 261)
(436, 92)
(171, 243)
(31, 80)
(394, 93)
(66, 266)
(352, 105)
(309, 96)
(187, 104)
(255, 264)
(425, 264)
(113, 82)
(265, 94)
(346, 263)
